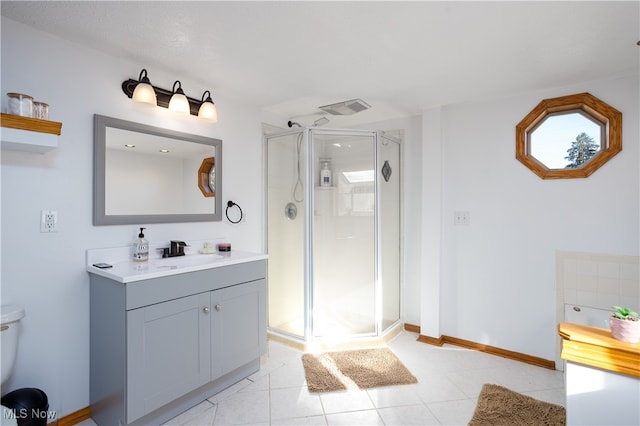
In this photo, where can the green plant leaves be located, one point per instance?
(623, 313)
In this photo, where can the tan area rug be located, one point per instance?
(502, 406)
(358, 369)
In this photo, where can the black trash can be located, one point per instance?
(30, 405)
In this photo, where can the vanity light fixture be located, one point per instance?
(141, 90)
(208, 109)
(178, 101)
(144, 92)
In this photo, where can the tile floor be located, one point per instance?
(449, 381)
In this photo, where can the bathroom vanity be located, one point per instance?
(168, 333)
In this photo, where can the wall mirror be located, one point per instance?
(145, 174)
(569, 137)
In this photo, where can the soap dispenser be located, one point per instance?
(141, 248)
(325, 175)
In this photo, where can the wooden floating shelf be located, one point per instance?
(29, 134)
(30, 124)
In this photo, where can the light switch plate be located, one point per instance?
(461, 218)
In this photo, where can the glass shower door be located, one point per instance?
(286, 193)
(389, 229)
(343, 234)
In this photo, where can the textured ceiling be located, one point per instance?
(291, 57)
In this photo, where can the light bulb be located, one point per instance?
(144, 92)
(208, 109)
(179, 101)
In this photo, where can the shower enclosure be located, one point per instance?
(333, 244)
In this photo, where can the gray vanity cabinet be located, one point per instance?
(236, 308)
(162, 345)
(168, 352)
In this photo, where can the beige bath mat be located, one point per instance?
(501, 406)
(358, 369)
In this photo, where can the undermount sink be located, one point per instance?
(184, 261)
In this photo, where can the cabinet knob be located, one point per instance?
(205, 309)
(218, 308)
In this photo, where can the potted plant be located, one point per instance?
(625, 325)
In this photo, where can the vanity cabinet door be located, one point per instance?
(168, 352)
(238, 326)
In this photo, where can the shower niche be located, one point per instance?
(333, 234)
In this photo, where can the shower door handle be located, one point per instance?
(386, 171)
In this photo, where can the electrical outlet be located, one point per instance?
(49, 221)
(460, 218)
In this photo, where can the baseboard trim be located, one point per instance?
(73, 418)
(517, 356)
(412, 328)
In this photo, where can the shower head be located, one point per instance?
(293, 123)
(321, 121)
(346, 107)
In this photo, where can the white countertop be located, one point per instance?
(125, 270)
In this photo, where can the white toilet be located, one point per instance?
(10, 315)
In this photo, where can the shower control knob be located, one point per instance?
(218, 308)
(205, 309)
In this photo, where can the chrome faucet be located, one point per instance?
(176, 248)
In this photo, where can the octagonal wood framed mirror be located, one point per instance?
(569, 137)
(207, 177)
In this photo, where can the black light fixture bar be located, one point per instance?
(163, 96)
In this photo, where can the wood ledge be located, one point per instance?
(30, 124)
(594, 346)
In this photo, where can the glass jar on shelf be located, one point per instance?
(40, 110)
(20, 104)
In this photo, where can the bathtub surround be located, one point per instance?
(598, 280)
(593, 283)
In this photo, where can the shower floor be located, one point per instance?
(338, 343)
(334, 327)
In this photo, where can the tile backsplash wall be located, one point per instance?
(596, 280)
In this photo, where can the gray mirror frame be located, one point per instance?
(100, 123)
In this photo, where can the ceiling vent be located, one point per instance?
(346, 107)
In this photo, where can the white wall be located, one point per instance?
(45, 273)
(497, 277)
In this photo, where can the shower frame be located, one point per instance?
(309, 200)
